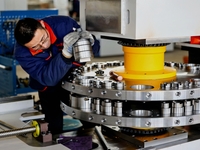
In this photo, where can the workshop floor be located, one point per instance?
(176, 55)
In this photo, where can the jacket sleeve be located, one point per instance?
(47, 73)
(96, 47)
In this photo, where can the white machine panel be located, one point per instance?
(156, 21)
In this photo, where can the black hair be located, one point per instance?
(25, 30)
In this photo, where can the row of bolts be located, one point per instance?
(97, 106)
(106, 107)
(180, 108)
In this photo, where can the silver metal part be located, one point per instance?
(81, 102)
(82, 50)
(166, 110)
(186, 86)
(96, 107)
(142, 122)
(197, 106)
(98, 99)
(177, 109)
(141, 113)
(21, 131)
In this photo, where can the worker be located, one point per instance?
(44, 50)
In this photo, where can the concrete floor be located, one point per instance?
(174, 56)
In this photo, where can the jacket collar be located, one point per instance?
(52, 38)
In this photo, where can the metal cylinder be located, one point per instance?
(120, 85)
(197, 106)
(86, 81)
(107, 107)
(99, 84)
(84, 103)
(108, 84)
(74, 101)
(96, 107)
(19, 131)
(118, 108)
(177, 109)
(188, 107)
(81, 102)
(166, 110)
(82, 50)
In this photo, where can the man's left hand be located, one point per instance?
(87, 35)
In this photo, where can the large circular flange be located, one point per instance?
(167, 72)
(138, 122)
(128, 95)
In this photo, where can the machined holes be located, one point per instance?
(178, 94)
(191, 120)
(63, 108)
(73, 87)
(73, 113)
(148, 95)
(90, 91)
(118, 94)
(177, 122)
(118, 122)
(103, 120)
(191, 93)
(103, 92)
(90, 118)
(148, 124)
(141, 87)
(141, 113)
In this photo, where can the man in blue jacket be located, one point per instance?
(42, 53)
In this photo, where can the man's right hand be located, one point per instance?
(69, 40)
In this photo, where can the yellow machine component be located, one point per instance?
(145, 66)
(144, 59)
(37, 127)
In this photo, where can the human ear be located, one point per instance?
(42, 23)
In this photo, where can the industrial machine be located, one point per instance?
(150, 103)
(142, 102)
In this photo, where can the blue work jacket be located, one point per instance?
(47, 68)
